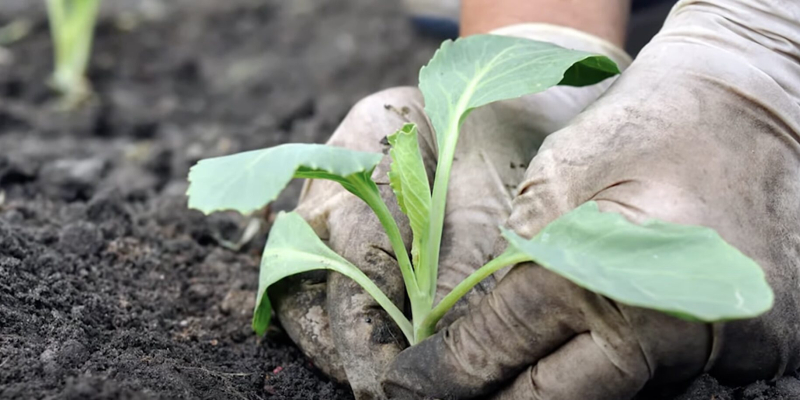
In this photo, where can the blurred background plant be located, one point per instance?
(109, 287)
(72, 28)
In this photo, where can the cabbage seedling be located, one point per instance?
(72, 28)
(687, 271)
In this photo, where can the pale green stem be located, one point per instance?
(437, 213)
(72, 25)
(375, 202)
(447, 151)
(510, 257)
(429, 271)
(57, 14)
(394, 312)
(420, 302)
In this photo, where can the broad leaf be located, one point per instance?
(247, 181)
(481, 69)
(294, 248)
(410, 184)
(478, 70)
(687, 271)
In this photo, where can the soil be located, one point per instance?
(109, 287)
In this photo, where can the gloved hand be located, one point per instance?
(702, 129)
(337, 325)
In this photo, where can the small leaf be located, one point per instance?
(482, 69)
(410, 184)
(686, 271)
(247, 181)
(294, 248)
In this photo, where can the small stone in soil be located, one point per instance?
(81, 238)
(70, 179)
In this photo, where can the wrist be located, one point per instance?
(606, 19)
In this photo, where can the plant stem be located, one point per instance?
(428, 272)
(438, 204)
(447, 150)
(370, 287)
(426, 328)
(72, 27)
(371, 195)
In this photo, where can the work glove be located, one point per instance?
(701, 129)
(336, 323)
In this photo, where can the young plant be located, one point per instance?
(72, 28)
(688, 271)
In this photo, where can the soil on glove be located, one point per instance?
(109, 287)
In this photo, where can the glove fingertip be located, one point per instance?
(422, 372)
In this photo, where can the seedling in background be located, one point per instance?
(72, 28)
(687, 271)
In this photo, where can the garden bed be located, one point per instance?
(109, 287)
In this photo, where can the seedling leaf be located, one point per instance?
(477, 70)
(410, 184)
(294, 248)
(686, 271)
(247, 181)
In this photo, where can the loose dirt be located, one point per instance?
(109, 287)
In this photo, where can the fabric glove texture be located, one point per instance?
(701, 129)
(338, 325)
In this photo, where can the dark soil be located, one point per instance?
(109, 287)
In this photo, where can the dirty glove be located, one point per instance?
(338, 325)
(702, 129)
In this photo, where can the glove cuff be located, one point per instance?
(569, 38)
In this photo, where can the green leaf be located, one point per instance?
(686, 271)
(294, 248)
(482, 69)
(410, 184)
(247, 181)
(478, 70)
